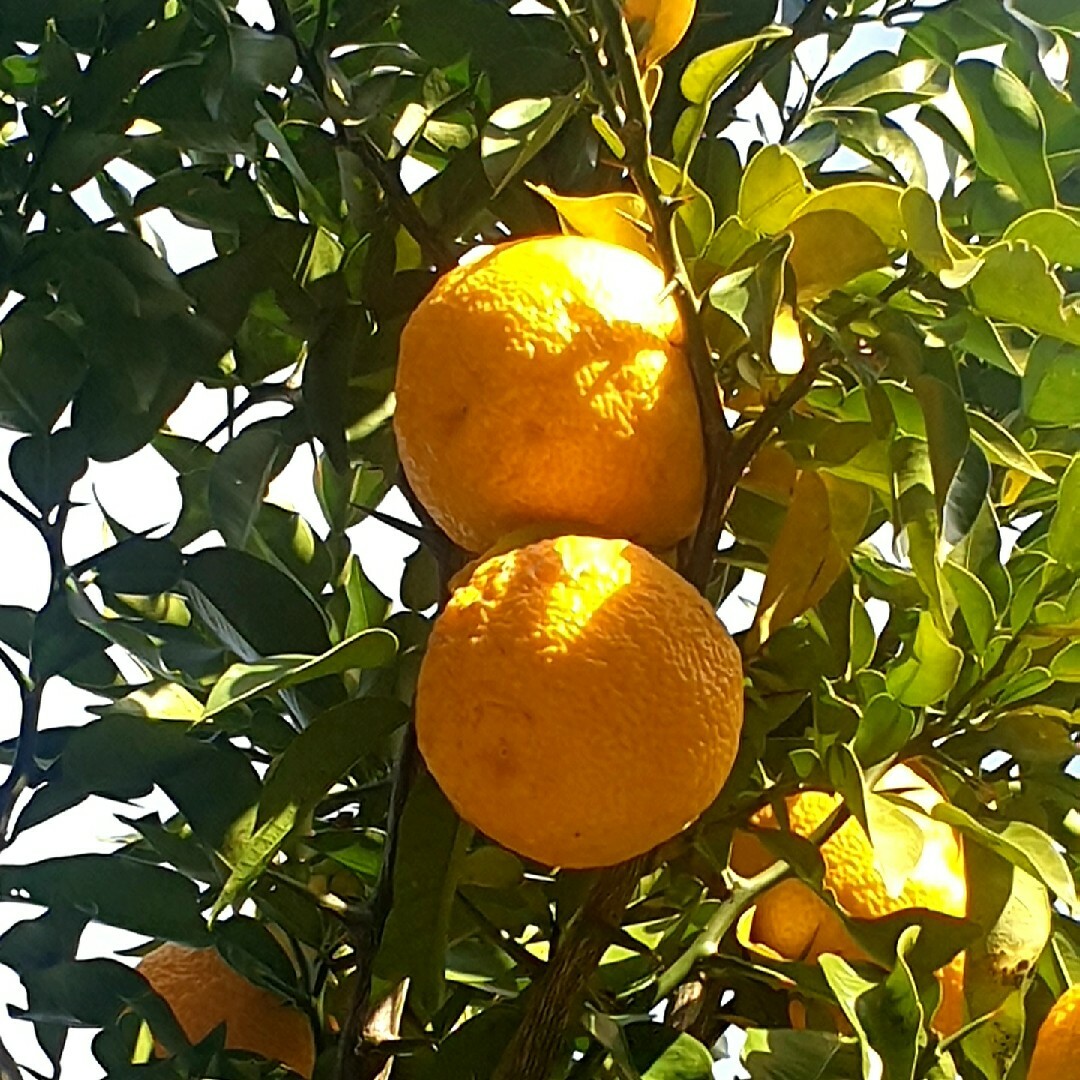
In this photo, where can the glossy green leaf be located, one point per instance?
(317, 758)
(928, 668)
(1010, 136)
(799, 1055)
(432, 844)
(1055, 233)
(517, 131)
(1021, 844)
(46, 466)
(773, 190)
(1014, 284)
(1002, 447)
(659, 1053)
(1051, 384)
(119, 892)
(369, 648)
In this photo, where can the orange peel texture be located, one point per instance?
(579, 702)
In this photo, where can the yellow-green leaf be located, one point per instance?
(824, 522)
(773, 190)
(831, 248)
(619, 217)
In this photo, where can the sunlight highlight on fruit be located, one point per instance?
(579, 702)
(547, 382)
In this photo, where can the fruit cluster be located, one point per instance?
(579, 702)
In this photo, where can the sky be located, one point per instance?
(141, 492)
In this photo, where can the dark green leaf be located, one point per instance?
(46, 466)
(114, 890)
(312, 763)
(432, 843)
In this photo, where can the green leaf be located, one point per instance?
(1014, 285)
(313, 762)
(885, 727)
(660, 1053)
(1002, 447)
(114, 890)
(1064, 536)
(879, 138)
(432, 843)
(139, 567)
(126, 753)
(751, 297)
(1051, 385)
(892, 1014)
(1021, 844)
(927, 669)
(927, 238)
(875, 204)
(517, 131)
(252, 608)
(704, 77)
(975, 602)
(368, 649)
(877, 77)
(831, 248)
(46, 466)
(241, 475)
(1055, 233)
(1065, 666)
(420, 580)
(825, 520)
(965, 498)
(1010, 136)
(848, 987)
(772, 192)
(95, 993)
(799, 1055)
(41, 368)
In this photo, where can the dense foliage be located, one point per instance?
(937, 391)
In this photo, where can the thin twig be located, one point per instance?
(24, 766)
(809, 24)
(23, 512)
(503, 939)
(696, 567)
(435, 250)
(741, 897)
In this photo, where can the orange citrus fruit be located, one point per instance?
(1057, 1046)
(793, 921)
(204, 992)
(579, 702)
(657, 26)
(546, 382)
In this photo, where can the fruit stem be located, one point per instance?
(697, 560)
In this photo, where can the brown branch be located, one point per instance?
(551, 1003)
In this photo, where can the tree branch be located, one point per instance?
(809, 24)
(388, 179)
(23, 766)
(552, 1001)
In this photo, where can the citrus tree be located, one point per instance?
(864, 278)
